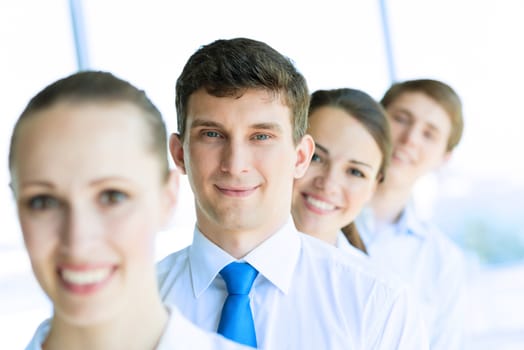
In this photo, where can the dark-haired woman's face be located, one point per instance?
(342, 176)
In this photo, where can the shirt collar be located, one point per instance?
(275, 258)
(408, 223)
(206, 259)
(342, 241)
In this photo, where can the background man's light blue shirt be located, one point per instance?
(430, 262)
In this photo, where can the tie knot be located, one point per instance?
(239, 277)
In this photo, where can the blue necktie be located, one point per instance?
(236, 321)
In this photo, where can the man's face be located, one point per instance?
(420, 130)
(239, 155)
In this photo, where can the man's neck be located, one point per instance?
(238, 242)
(389, 202)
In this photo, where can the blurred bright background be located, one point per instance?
(475, 46)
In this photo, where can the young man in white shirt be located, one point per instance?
(242, 115)
(426, 125)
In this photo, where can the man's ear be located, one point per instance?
(176, 149)
(305, 150)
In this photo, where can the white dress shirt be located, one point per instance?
(343, 243)
(431, 263)
(307, 295)
(179, 334)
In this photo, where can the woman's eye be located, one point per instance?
(42, 202)
(356, 172)
(429, 135)
(112, 197)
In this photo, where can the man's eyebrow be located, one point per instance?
(433, 127)
(197, 123)
(205, 123)
(405, 111)
(322, 148)
(430, 125)
(267, 126)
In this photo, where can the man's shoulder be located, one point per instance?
(446, 261)
(443, 245)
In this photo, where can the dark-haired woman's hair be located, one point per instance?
(371, 115)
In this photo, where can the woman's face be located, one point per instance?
(91, 196)
(342, 176)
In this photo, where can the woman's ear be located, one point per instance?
(12, 188)
(447, 157)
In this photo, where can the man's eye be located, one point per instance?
(315, 158)
(111, 197)
(211, 134)
(261, 137)
(42, 202)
